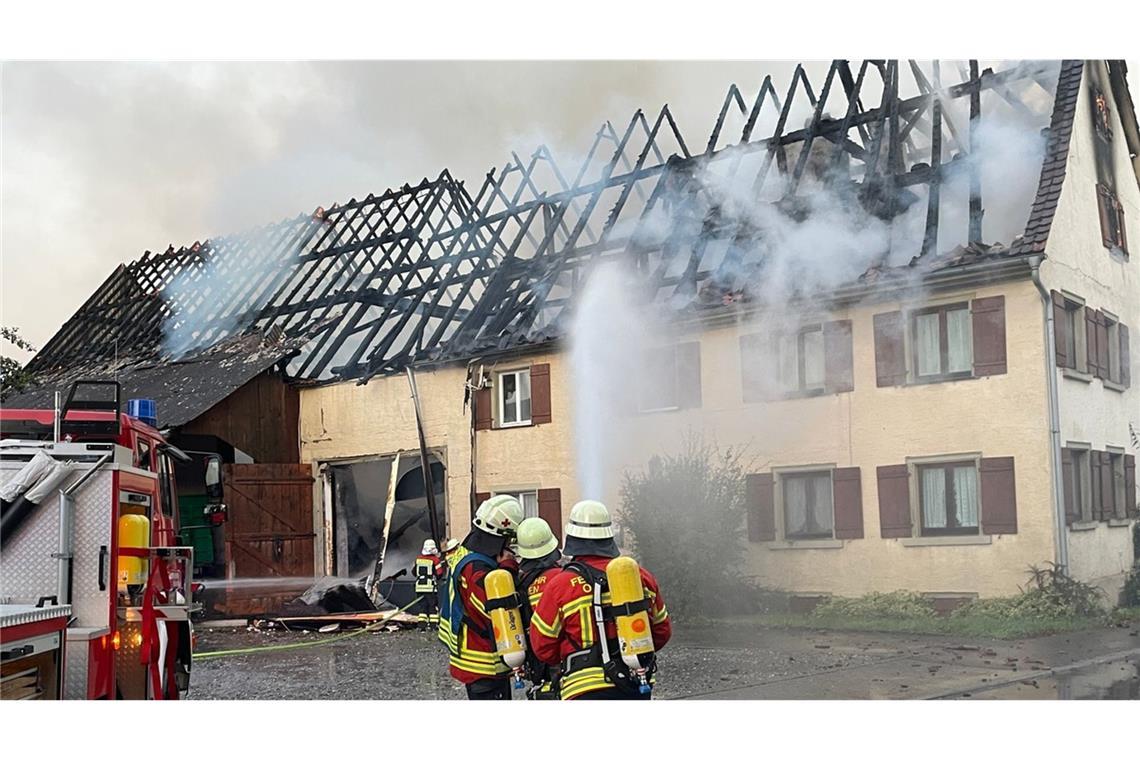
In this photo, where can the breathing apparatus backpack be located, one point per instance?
(451, 613)
(605, 652)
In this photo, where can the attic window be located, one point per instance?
(1111, 220)
(1103, 128)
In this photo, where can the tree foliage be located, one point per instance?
(685, 513)
(13, 377)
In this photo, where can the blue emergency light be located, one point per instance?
(144, 410)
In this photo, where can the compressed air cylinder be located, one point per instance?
(510, 638)
(633, 632)
(134, 533)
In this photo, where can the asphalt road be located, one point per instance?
(707, 663)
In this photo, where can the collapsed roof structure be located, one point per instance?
(432, 272)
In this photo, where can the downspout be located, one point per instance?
(1061, 529)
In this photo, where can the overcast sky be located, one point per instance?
(101, 161)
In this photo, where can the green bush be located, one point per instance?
(896, 604)
(685, 515)
(1050, 594)
(1132, 588)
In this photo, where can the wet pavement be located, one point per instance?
(729, 662)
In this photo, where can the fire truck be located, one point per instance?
(95, 595)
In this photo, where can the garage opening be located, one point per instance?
(363, 494)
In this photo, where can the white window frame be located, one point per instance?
(915, 487)
(519, 493)
(796, 339)
(959, 303)
(779, 474)
(1075, 307)
(501, 393)
(1082, 471)
(676, 386)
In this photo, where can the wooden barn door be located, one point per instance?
(269, 535)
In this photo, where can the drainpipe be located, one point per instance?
(1061, 540)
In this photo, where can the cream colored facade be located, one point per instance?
(1004, 415)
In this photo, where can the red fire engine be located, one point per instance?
(95, 597)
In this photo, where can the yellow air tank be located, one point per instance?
(633, 632)
(506, 622)
(134, 533)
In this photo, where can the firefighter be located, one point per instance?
(465, 624)
(564, 627)
(539, 557)
(428, 567)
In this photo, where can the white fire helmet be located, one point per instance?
(450, 545)
(590, 519)
(535, 538)
(429, 547)
(499, 515)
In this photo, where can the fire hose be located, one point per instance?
(305, 644)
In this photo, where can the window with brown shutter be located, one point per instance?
(1112, 226)
(999, 495)
(948, 498)
(1103, 355)
(1069, 484)
(839, 371)
(1094, 486)
(1108, 483)
(1063, 332)
(807, 505)
(890, 352)
(848, 502)
(989, 335)
(941, 344)
(1112, 335)
(540, 405)
(1092, 356)
(759, 493)
(550, 509)
(894, 501)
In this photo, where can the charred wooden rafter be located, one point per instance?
(430, 272)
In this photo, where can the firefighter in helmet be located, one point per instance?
(465, 625)
(538, 562)
(428, 567)
(564, 628)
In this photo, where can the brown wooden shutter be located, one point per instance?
(754, 374)
(847, 496)
(989, 336)
(890, 354)
(1095, 495)
(1106, 205)
(689, 375)
(1061, 331)
(1125, 357)
(1093, 356)
(999, 496)
(894, 501)
(839, 372)
(1068, 478)
(550, 509)
(540, 394)
(1130, 499)
(480, 497)
(1102, 346)
(760, 494)
(1121, 231)
(482, 401)
(1107, 487)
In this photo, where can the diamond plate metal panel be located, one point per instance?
(75, 669)
(27, 568)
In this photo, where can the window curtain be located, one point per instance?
(524, 395)
(789, 366)
(926, 327)
(813, 358)
(529, 500)
(822, 509)
(966, 496)
(795, 505)
(934, 498)
(960, 339)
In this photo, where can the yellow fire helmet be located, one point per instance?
(499, 515)
(535, 539)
